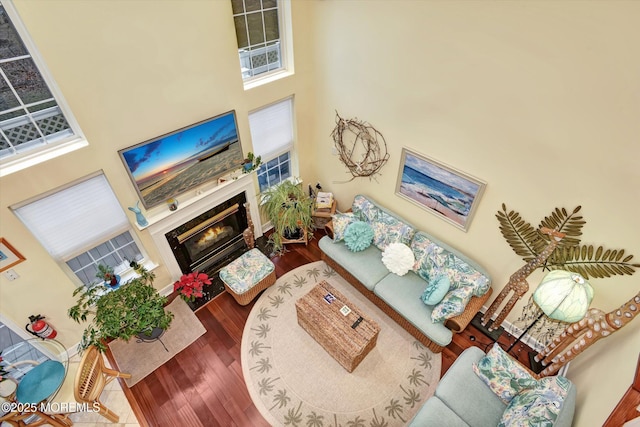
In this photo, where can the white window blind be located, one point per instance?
(272, 129)
(72, 220)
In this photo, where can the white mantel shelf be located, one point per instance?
(235, 180)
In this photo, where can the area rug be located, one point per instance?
(142, 358)
(293, 381)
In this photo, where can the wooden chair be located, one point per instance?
(91, 379)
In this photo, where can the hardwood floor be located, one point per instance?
(203, 384)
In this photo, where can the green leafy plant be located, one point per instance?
(570, 254)
(134, 308)
(251, 163)
(288, 207)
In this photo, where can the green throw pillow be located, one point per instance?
(358, 236)
(436, 290)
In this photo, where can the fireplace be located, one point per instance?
(188, 227)
(206, 242)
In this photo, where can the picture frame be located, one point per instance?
(440, 189)
(9, 256)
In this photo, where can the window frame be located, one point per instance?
(286, 50)
(90, 244)
(290, 149)
(37, 155)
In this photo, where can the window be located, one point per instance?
(259, 34)
(81, 226)
(34, 125)
(272, 137)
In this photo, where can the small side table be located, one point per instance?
(322, 217)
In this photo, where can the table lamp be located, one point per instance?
(561, 295)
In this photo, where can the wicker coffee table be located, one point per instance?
(349, 337)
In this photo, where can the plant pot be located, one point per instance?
(115, 281)
(153, 335)
(292, 234)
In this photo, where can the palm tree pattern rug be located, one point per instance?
(293, 381)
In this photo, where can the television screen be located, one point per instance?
(164, 167)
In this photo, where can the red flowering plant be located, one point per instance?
(190, 285)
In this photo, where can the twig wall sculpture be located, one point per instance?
(361, 148)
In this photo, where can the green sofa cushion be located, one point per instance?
(404, 295)
(366, 266)
(467, 395)
(436, 413)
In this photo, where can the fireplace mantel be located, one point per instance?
(162, 222)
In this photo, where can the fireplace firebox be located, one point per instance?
(208, 241)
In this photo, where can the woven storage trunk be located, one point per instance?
(332, 330)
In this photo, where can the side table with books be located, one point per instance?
(323, 209)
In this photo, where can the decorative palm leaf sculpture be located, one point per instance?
(586, 260)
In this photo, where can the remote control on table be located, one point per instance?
(357, 322)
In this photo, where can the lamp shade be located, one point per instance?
(564, 296)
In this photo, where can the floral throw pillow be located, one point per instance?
(504, 376)
(452, 304)
(538, 406)
(432, 260)
(340, 223)
(387, 230)
(358, 236)
(364, 209)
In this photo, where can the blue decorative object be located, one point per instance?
(140, 219)
(436, 290)
(358, 236)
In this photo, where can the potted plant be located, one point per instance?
(190, 285)
(134, 308)
(105, 273)
(288, 207)
(251, 162)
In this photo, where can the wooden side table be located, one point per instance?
(321, 218)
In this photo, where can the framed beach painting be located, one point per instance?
(8, 255)
(440, 189)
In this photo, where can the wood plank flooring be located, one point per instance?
(203, 385)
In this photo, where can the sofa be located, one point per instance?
(463, 399)
(461, 285)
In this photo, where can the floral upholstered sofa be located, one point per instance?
(429, 288)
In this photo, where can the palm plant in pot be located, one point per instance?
(288, 207)
(135, 308)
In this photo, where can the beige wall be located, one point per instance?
(129, 71)
(538, 99)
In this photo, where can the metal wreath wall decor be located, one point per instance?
(361, 148)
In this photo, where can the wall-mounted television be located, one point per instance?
(169, 165)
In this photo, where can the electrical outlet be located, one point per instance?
(11, 274)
